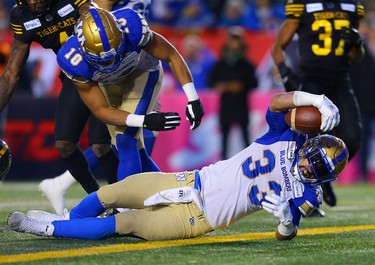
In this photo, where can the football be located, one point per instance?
(306, 119)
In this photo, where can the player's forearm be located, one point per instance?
(180, 69)
(282, 102)
(7, 85)
(277, 53)
(184, 77)
(111, 116)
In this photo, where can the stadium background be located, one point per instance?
(28, 121)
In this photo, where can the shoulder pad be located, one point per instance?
(72, 62)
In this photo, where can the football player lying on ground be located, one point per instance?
(280, 172)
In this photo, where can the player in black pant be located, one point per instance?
(328, 42)
(50, 23)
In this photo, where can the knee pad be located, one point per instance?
(101, 149)
(65, 148)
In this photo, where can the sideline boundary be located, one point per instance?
(116, 248)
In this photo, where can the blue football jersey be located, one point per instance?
(137, 35)
(141, 6)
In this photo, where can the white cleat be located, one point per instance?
(46, 216)
(52, 190)
(19, 222)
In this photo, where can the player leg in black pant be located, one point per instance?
(100, 142)
(70, 120)
(350, 127)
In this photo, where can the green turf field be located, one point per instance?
(345, 236)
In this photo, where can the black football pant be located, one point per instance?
(340, 92)
(70, 119)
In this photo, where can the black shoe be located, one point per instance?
(329, 195)
(317, 213)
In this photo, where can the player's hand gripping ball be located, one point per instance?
(306, 119)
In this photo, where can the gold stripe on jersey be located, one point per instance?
(360, 10)
(16, 28)
(79, 3)
(294, 10)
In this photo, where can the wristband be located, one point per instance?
(283, 69)
(301, 98)
(134, 120)
(190, 91)
(286, 229)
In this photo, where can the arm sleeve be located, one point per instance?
(294, 9)
(136, 28)
(17, 27)
(360, 11)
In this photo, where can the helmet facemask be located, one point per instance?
(320, 160)
(35, 10)
(101, 39)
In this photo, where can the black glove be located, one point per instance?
(351, 37)
(161, 121)
(194, 113)
(290, 80)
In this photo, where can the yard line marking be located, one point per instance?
(171, 243)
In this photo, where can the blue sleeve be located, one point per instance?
(135, 27)
(311, 199)
(71, 60)
(276, 122)
(279, 130)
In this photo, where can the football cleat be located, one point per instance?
(48, 217)
(19, 222)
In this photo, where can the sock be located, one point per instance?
(78, 167)
(130, 162)
(149, 139)
(87, 228)
(148, 165)
(109, 162)
(91, 158)
(66, 180)
(90, 206)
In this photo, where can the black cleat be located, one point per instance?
(329, 195)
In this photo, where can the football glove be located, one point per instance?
(279, 207)
(194, 113)
(290, 80)
(330, 113)
(351, 37)
(161, 121)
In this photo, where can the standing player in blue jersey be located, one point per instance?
(280, 172)
(54, 189)
(114, 61)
